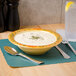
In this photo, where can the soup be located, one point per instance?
(35, 38)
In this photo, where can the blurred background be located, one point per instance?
(36, 12)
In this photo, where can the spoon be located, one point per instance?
(66, 56)
(12, 51)
(66, 42)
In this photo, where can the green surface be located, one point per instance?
(53, 56)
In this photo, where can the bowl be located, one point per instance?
(31, 48)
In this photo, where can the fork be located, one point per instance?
(66, 42)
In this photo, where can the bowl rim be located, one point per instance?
(12, 34)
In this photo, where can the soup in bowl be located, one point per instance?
(35, 41)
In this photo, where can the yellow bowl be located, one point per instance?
(34, 50)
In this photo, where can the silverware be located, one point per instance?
(12, 51)
(66, 42)
(66, 56)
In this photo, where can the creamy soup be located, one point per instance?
(35, 38)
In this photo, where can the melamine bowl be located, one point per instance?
(34, 50)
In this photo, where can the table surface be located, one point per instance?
(62, 69)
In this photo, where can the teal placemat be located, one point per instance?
(53, 56)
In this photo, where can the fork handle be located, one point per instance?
(72, 48)
(36, 61)
(63, 53)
